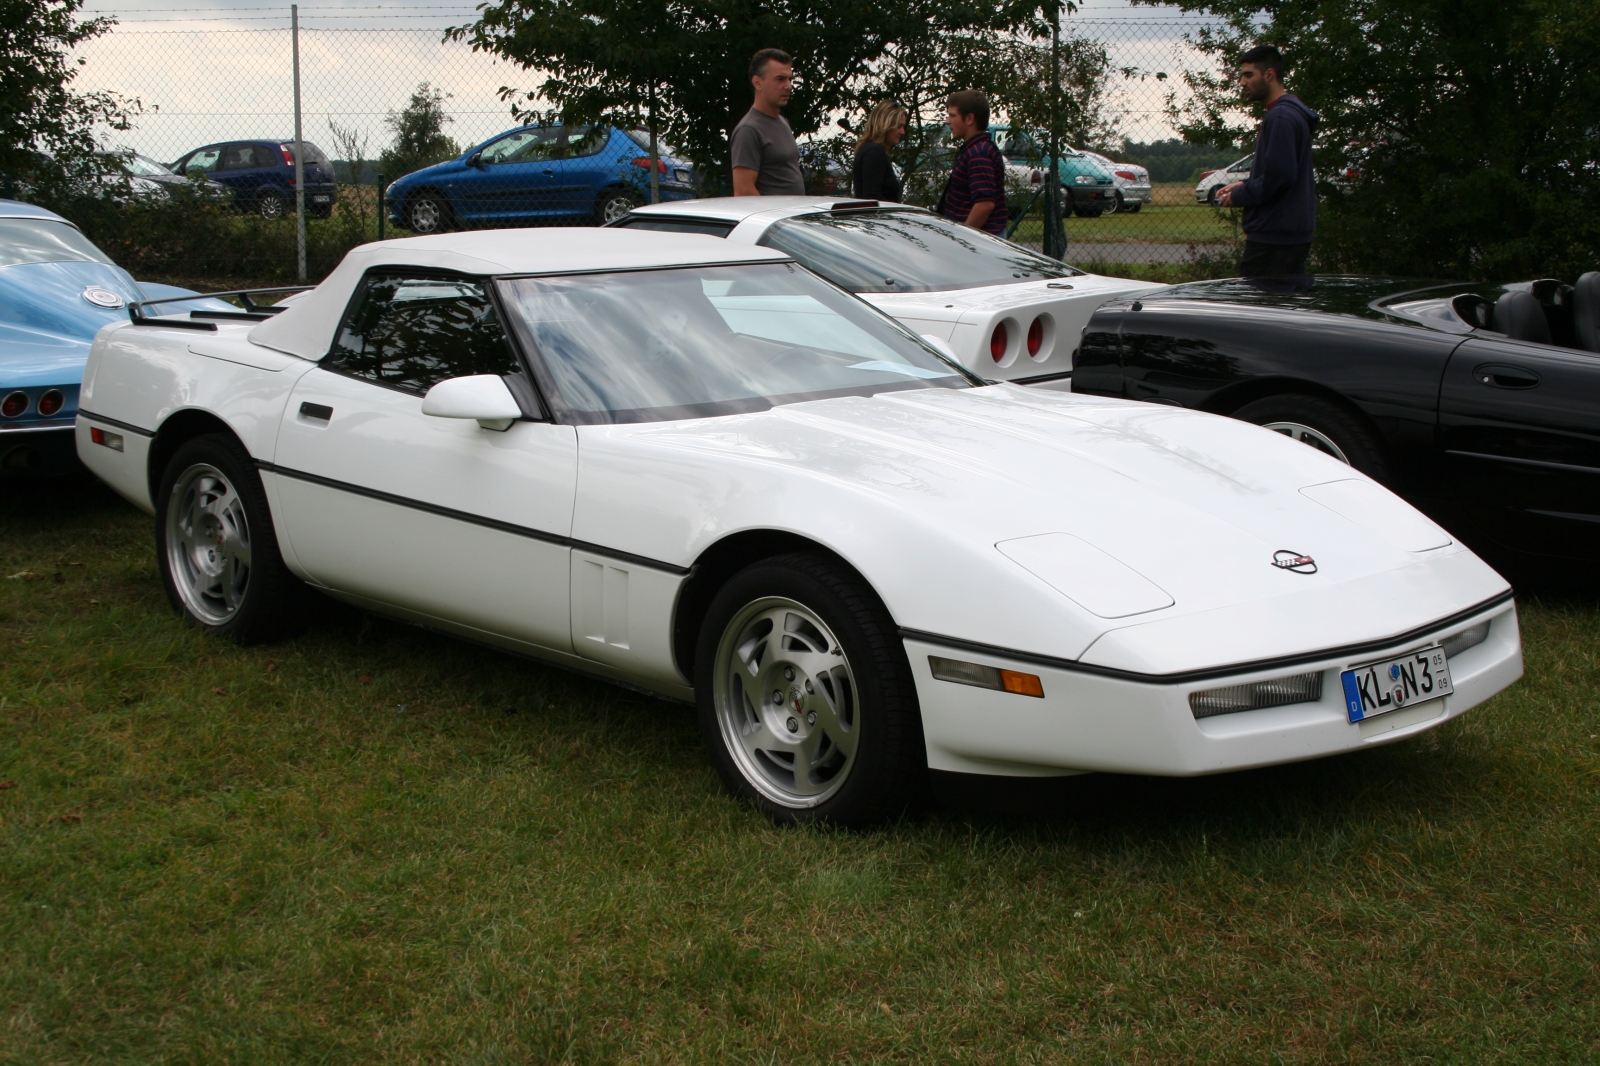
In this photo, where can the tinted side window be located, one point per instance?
(411, 333)
(243, 157)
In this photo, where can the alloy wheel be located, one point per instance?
(208, 544)
(1308, 435)
(270, 207)
(616, 207)
(786, 702)
(427, 216)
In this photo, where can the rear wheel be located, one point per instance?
(1211, 197)
(805, 696)
(427, 212)
(216, 547)
(1133, 208)
(271, 205)
(1323, 425)
(613, 204)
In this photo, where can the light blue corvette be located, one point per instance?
(56, 291)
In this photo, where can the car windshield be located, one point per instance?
(40, 240)
(906, 251)
(690, 342)
(141, 167)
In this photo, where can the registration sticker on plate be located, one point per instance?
(1379, 688)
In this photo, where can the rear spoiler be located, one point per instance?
(253, 312)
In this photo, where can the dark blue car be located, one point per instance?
(261, 175)
(539, 174)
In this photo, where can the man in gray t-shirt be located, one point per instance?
(766, 161)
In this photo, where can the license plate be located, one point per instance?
(319, 199)
(1379, 688)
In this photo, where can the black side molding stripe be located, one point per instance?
(120, 425)
(1539, 463)
(471, 519)
(1347, 651)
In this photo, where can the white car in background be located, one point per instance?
(1133, 182)
(1006, 313)
(691, 466)
(1213, 180)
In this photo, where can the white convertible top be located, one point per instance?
(306, 327)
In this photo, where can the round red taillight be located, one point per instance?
(997, 344)
(51, 402)
(14, 404)
(1036, 336)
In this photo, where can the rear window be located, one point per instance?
(906, 251)
(39, 240)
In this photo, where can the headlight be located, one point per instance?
(1083, 179)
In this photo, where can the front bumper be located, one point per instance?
(1094, 722)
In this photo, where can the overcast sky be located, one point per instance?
(209, 71)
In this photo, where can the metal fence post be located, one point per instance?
(299, 149)
(383, 208)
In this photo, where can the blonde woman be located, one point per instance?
(875, 178)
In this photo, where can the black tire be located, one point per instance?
(1133, 208)
(1211, 195)
(263, 603)
(428, 212)
(874, 698)
(1121, 205)
(321, 211)
(1344, 435)
(271, 205)
(614, 203)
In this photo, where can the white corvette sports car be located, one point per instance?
(691, 466)
(1004, 312)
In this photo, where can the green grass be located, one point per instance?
(377, 845)
(1153, 224)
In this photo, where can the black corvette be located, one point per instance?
(1478, 403)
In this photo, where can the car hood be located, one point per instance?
(1341, 294)
(1057, 525)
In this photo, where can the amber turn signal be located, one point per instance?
(980, 676)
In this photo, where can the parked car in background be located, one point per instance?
(1004, 312)
(1479, 403)
(539, 174)
(691, 466)
(1132, 182)
(261, 175)
(147, 170)
(1213, 180)
(56, 291)
(1090, 188)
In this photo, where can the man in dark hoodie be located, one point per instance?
(1280, 196)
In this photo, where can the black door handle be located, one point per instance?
(1500, 376)
(319, 411)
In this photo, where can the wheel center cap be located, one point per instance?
(796, 699)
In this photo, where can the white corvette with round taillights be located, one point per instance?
(688, 465)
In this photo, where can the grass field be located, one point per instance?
(1172, 219)
(377, 845)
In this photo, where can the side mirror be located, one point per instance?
(475, 159)
(484, 397)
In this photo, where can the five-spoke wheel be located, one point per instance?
(216, 546)
(806, 698)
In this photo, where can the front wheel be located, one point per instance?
(1324, 426)
(216, 547)
(805, 696)
(427, 213)
(614, 204)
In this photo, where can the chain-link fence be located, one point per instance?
(383, 96)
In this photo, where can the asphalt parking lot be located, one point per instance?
(373, 843)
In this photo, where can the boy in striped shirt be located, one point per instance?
(975, 195)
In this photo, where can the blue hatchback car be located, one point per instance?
(261, 175)
(56, 291)
(539, 174)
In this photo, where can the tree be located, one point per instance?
(419, 137)
(687, 59)
(48, 132)
(1464, 133)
